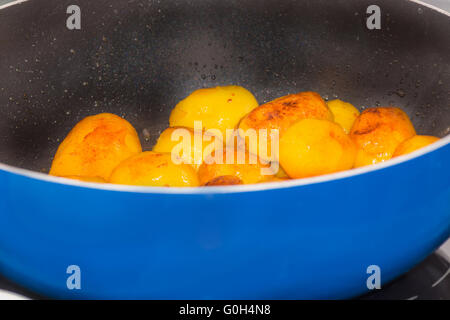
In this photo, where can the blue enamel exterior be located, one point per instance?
(310, 241)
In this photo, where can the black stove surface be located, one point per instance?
(430, 280)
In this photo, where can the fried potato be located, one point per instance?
(224, 181)
(171, 140)
(248, 171)
(344, 114)
(413, 144)
(377, 132)
(313, 147)
(218, 108)
(276, 179)
(280, 114)
(95, 146)
(154, 169)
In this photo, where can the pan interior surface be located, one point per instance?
(138, 59)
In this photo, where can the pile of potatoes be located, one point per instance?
(315, 138)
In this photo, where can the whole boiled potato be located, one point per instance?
(172, 139)
(413, 144)
(95, 146)
(280, 114)
(377, 133)
(246, 170)
(344, 114)
(154, 169)
(218, 108)
(313, 147)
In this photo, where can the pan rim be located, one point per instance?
(231, 189)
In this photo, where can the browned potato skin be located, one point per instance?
(224, 181)
(377, 132)
(282, 112)
(95, 146)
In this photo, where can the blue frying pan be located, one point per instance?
(331, 236)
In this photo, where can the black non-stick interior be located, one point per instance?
(139, 58)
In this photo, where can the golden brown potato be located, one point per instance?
(377, 132)
(413, 144)
(154, 169)
(344, 113)
(248, 171)
(224, 181)
(218, 108)
(280, 114)
(313, 147)
(95, 146)
(170, 139)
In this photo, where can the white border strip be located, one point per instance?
(232, 189)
